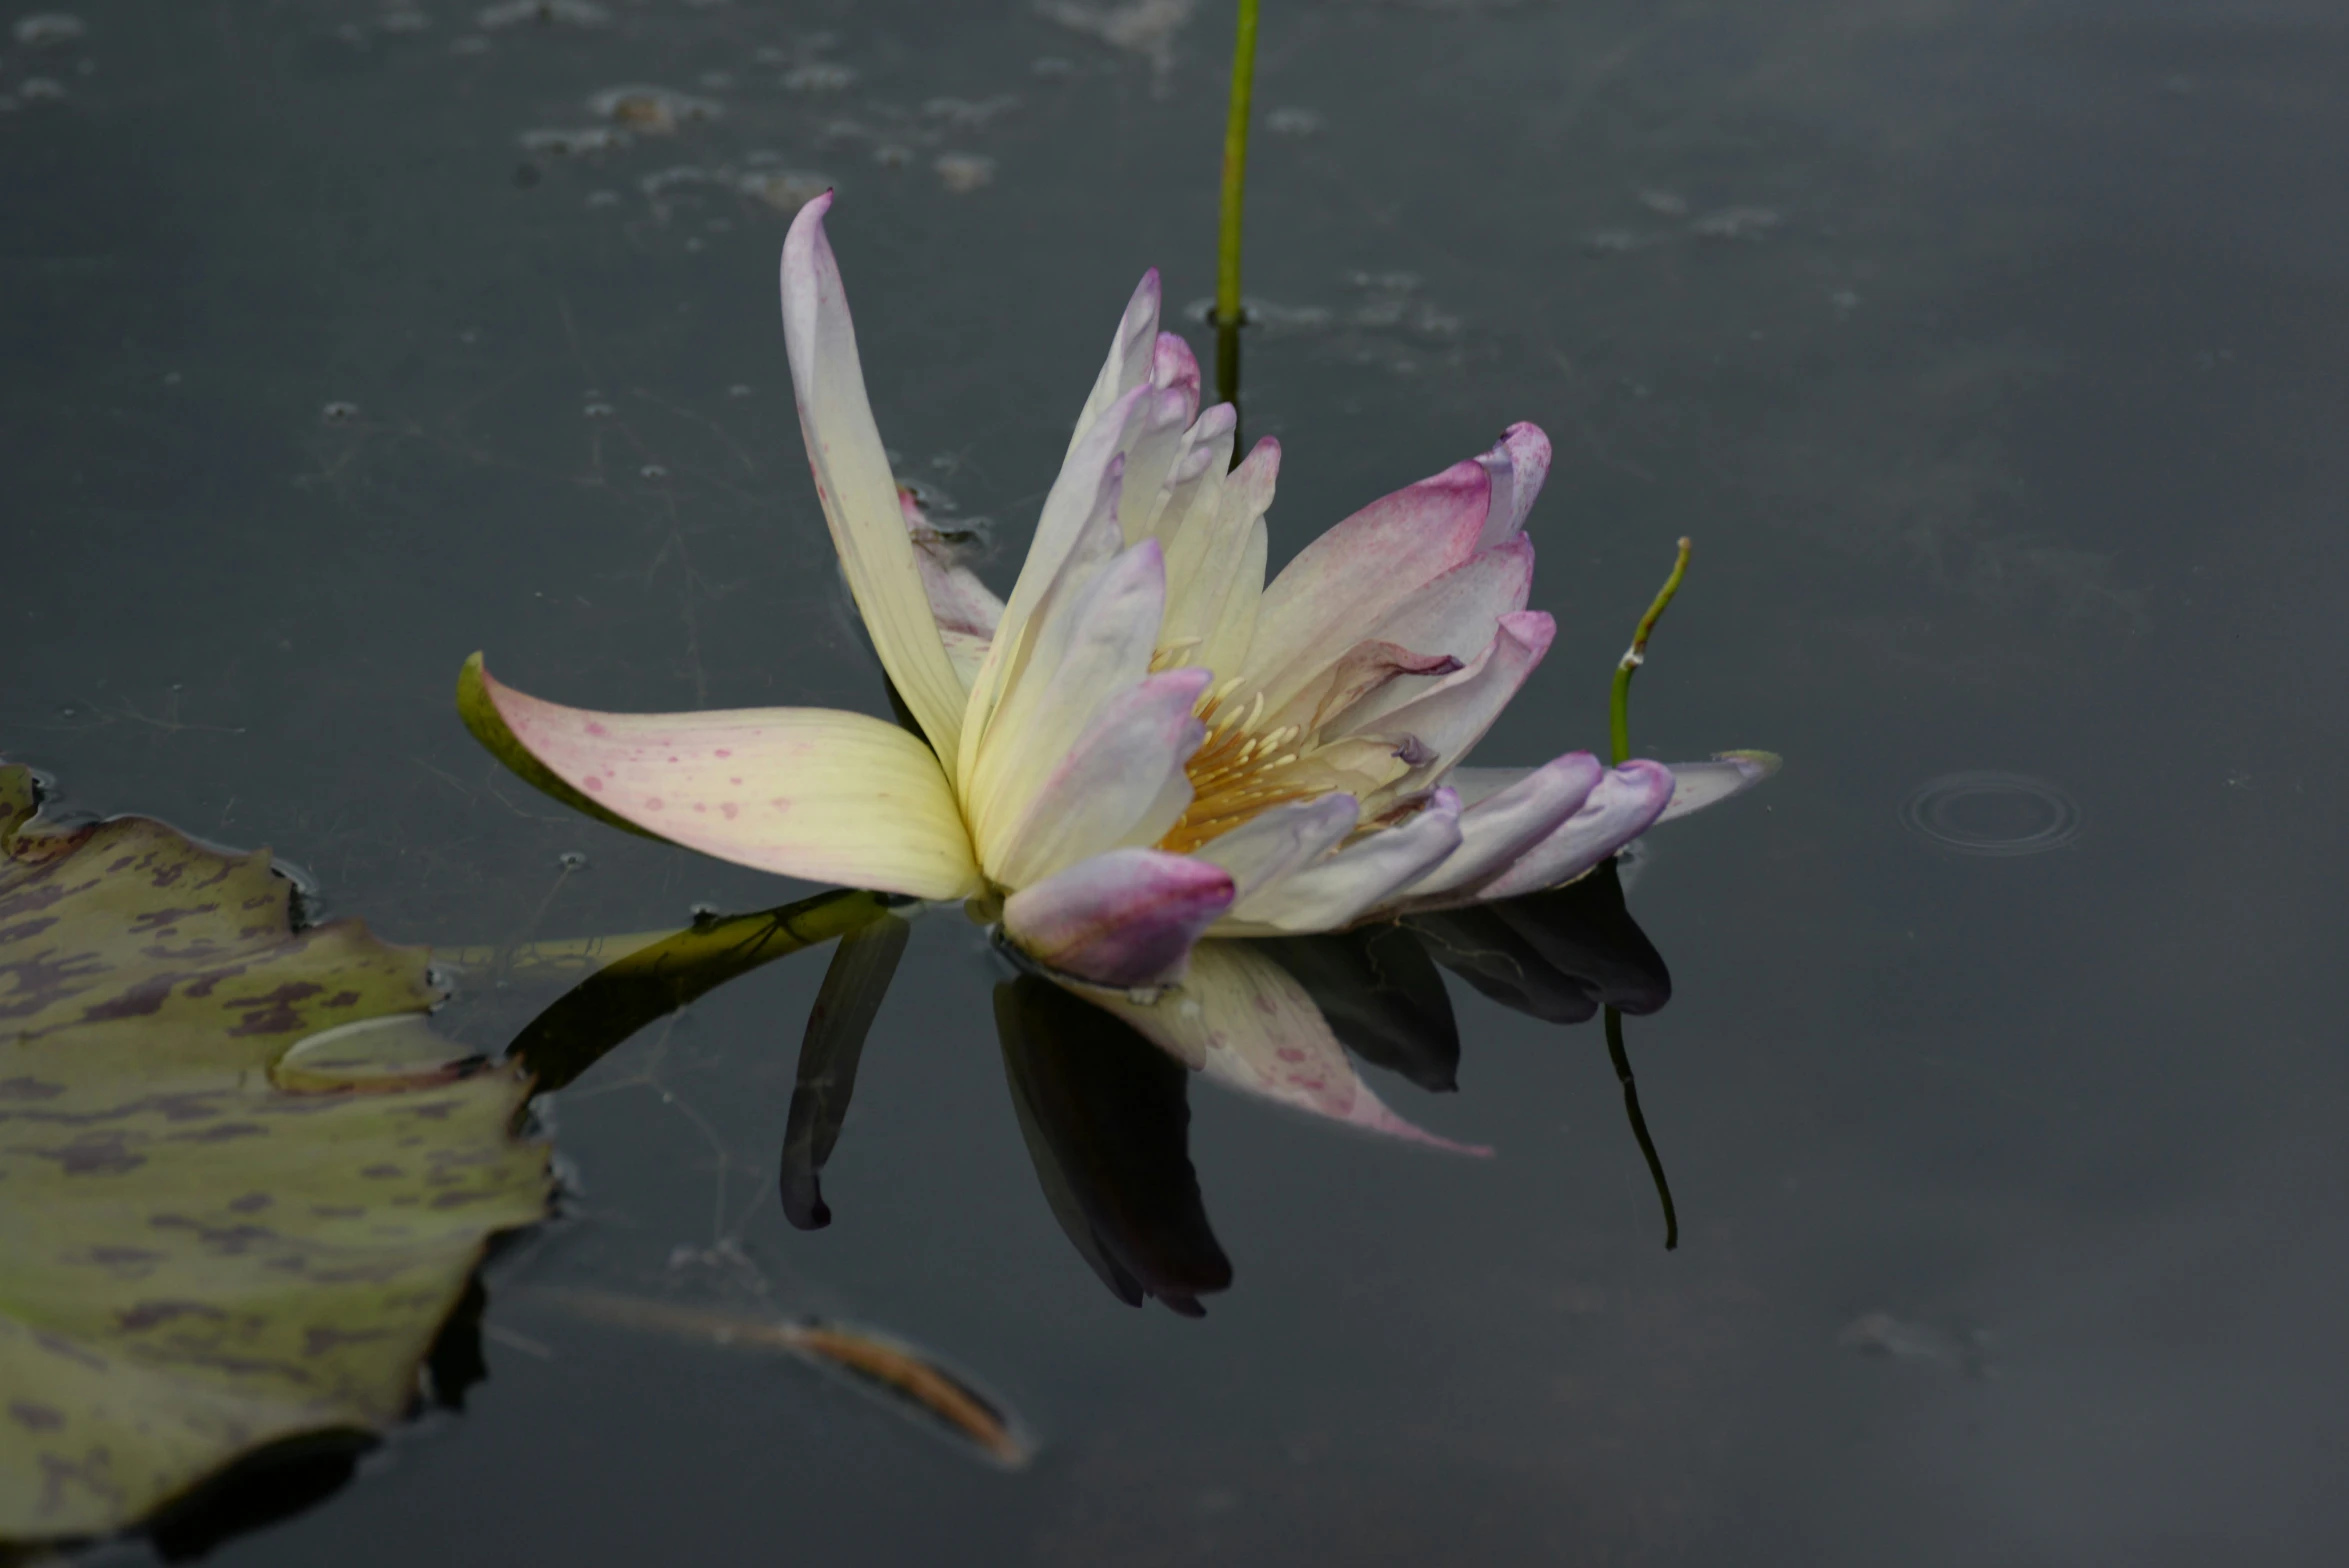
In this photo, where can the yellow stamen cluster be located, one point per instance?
(1238, 772)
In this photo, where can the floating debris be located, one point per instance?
(597, 410)
(1292, 122)
(1736, 223)
(964, 112)
(41, 89)
(678, 177)
(48, 29)
(1665, 202)
(1992, 813)
(545, 13)
(653, 471)
(819, 76)
(574, 143)
(654, 111)
(785, 190)
(1143, 27)
(1612, 242)
(964, 172)
(338, 413)
(1882, 1334)
(910, 1379)
(571, 860)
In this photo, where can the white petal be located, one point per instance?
(1696, 785)
(1120, 784)
(854, 485)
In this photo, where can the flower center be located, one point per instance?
(1240, 770)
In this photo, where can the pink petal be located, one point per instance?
(1342, 584)
(1132, 355)
(1281, 840)
(804, 792)
(1245, 1022)
(1455, 713)
(1332, 894)
(1121, 782)
(1621, 807)
(1498, 830)
(1127, 918)
(1518, 462)
(1173, 367)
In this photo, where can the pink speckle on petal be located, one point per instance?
(734, 781)
(1290, 1053)
(729, 809)
(723, 752)
(781, 803)
(652, 803)
(1265, 1004)
(594, 728)
(595, 786)
(698, 806)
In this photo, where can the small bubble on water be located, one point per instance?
(571, 860)
(1665, 202)
(653, 471)
(1293, 122)
(738, 389)
(597, 411)
(468, 335)
(603, 199)
(338, 413)
(47, 29)
(172, 378)
(702, 910)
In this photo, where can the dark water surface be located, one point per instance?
(1993, 353)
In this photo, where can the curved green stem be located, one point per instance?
(1235, 189)
(1619, 701)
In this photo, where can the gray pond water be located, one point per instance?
(1992, 353)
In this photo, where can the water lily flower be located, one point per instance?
(1146, 744)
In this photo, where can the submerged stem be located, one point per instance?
(1619, 701)
(1639, 1124)
(1235, 188)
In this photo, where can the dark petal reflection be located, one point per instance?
(585, 1023)
(1107, 1123)
(1383, 997)
(1558, 956)
(862, 966)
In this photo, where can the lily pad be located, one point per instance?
(204, 1249)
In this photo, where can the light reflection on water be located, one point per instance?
(2008, 440)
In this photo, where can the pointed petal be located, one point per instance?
(1455, 713)
(1131, 355)
(1086, 656)
(1113, 785)
(854, 485)
(1336, 892)
(1621, 807)
(1342, 584)
(1174, 368)
(1518, 463)
(1215, 564)
(1090, 482)
(803, 792)
(1126, 919)
(1281, 840)
(1696, 785)
(1245, 1022)
(1195, 480)
(1498, 830)
(1458, 612)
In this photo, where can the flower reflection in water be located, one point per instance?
(1103, 1108)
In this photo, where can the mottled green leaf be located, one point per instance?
(204, 1246)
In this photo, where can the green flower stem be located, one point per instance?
(1235, 188)
(1619, 702)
